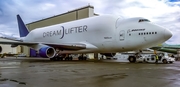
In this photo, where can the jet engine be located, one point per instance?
(0, 49)
(47, 52)
(108, 54)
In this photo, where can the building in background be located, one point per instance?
(76, 14)
(8, 49)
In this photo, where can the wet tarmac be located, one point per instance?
(44, 73)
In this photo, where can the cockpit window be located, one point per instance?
(144, 20)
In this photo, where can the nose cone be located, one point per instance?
(167, 34)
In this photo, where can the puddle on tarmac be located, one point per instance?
(9, 67)
(9, 63)
(11, 80)
(173, 68)
(3, 79)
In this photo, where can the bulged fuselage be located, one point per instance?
(107, 33)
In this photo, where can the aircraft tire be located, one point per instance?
(60, 58)
(66, 58)
(57, 59)
(80, 58)
(132, 59)
(144, 61)
(164, 61)
(84, 58)
(70, 58)
(53, 59)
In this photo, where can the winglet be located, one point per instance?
(23, 31)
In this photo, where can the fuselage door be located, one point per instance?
(122, 35)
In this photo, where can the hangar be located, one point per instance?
(76, 14)
(8, 49)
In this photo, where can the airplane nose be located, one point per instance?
(167, 34)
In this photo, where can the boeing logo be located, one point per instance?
(63, 31)
(131, 30)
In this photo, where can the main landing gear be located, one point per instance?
(67, 57)
(62, 57)
(56, 58)
(82, 57)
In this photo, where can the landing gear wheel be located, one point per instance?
(132, 59)
(84, 58)
(70, 58)
(164, 61)
(66, 58)
(58, 59)
(144, 61)
(61, 58)
(79, 58)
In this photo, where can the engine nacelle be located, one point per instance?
(108, 54)
(47, 52)
(0, 49)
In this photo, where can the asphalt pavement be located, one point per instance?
(38, 72)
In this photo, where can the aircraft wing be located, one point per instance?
(17, 43)
(67, 46)
(4, 36)
(64, 46)
(11, 39)
(72, 46)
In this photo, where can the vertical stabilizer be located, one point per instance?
(23, 31)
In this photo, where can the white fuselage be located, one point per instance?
(107, 33)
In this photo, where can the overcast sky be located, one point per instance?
(163, 12)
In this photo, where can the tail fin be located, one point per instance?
(23, 31)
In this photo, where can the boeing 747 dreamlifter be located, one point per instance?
(104, 34)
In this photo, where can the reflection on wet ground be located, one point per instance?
(44, 73)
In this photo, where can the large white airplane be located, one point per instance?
(104, 34)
